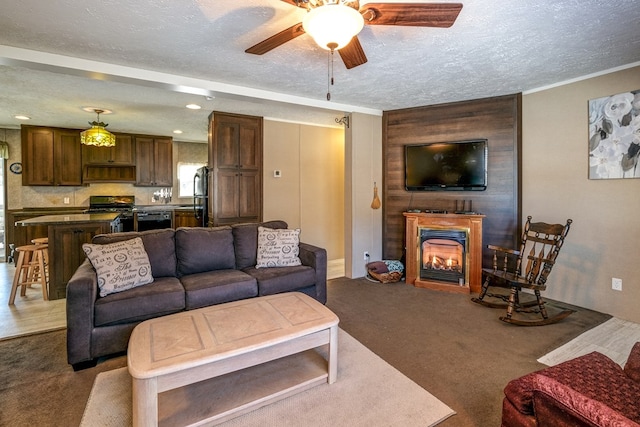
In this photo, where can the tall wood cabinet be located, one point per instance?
(154, 161)
(235, 159)
(51, 156)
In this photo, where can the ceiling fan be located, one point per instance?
(441, 15)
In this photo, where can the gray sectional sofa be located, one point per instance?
(191, 268)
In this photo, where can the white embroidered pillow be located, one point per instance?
(120, 265)
(278, 247)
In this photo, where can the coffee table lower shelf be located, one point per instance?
(222, 398)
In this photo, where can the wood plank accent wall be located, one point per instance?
(497, 119)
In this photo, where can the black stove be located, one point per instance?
(111, 204)
(122, 204)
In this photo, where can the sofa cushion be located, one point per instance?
(216, 287)
(282, 279)
(159, 244)
(593, 375)
(119, 265)
(278, 247)
(245, 241)
(204, 249)
(164, 296)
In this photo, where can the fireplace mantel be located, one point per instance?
(470, 222)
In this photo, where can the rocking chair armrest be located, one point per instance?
(504, 250)
(545, 260)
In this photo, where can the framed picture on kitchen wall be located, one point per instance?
(614, 136)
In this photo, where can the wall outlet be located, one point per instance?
(65, 200)
(616, 284)
(366, 256)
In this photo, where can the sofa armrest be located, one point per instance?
(557, 404)
(632, 367)
(316, 258)
(82, 292)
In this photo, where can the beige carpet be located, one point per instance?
(613, 338)
(368, 392)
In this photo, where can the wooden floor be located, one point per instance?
(31, 314)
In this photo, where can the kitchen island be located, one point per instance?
(66, 235)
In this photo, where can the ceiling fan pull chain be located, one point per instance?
(330, 70)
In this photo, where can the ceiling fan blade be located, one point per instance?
(441, 15)
(276, 40)
(352, 54)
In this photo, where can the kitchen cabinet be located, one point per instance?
(18, 236)
(124, 152)
(185, 218)
(110, 164)
(154, 161)
(235, 158)
(67, 233)
(66, 254)
(51, 156)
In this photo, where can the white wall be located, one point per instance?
(363, 167)
(310, 193)
(603, 241)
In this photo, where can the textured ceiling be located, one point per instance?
(495, 47)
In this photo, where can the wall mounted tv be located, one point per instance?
(460, 165)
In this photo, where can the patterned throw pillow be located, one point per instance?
(120, 266)
(278, 247)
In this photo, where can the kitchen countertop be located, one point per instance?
(69, 219)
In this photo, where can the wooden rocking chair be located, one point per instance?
(541, 243)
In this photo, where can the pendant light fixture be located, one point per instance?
(97, 134)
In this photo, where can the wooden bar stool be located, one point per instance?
(43, 241)
(30, 269)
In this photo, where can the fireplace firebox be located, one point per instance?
(444, 251)
(443, 254)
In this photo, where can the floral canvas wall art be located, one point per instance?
(614, 136)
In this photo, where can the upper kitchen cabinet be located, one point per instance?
(154, 161)
(51, 156)
(235, 156)
(124, 153)
(110, 164)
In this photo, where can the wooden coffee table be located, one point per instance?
(219, 362)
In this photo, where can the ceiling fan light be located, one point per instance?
(333, 24)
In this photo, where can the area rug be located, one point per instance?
(368, 392)
(613, 338)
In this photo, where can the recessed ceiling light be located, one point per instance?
(21, 117)
(193, 106)
(177, 131)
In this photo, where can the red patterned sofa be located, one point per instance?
(590, 390)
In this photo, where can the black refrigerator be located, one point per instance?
(201, 196)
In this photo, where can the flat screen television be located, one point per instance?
(460, 165)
